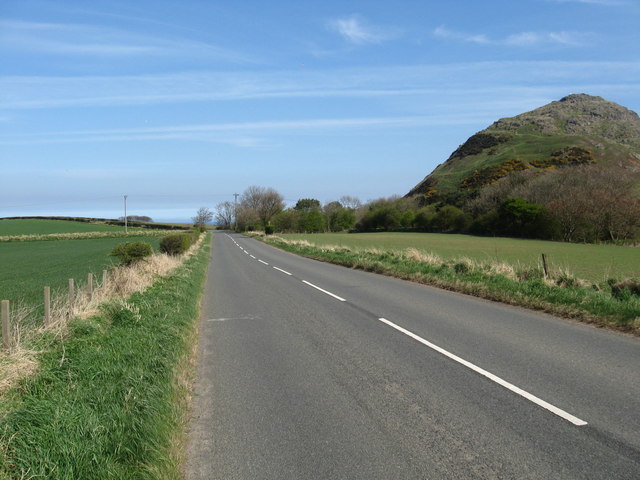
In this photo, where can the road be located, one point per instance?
(313, 371)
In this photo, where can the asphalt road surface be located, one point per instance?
(312, 371)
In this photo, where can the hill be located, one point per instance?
(575, 130)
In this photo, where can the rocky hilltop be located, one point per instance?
(576, 129)
(578, 114)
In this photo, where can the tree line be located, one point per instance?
(263, 208)
(579, 204)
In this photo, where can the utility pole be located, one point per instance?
(235, 210)
(126, 232)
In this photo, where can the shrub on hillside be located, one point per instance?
(490, 175)
(565, 157)
(131, 252)
(479, 142)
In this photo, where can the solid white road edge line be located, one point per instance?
(324, 291)
(490, 376)
(281, 270)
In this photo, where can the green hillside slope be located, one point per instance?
(575, 130)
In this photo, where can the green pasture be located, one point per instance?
(26, 267)
(45, 227)
(595, 263)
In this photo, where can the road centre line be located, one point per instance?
(252, 257)
(324, 291)
(283, 271)
(509, 386)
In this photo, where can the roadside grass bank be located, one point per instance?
(560, 293)
(110, 395)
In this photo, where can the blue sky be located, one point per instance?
(181, 104)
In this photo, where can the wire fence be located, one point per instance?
(46, 306)
(26, 316)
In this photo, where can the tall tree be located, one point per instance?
(263, 202)
(225, 213)
(307, 204)
(338, 217)
(203, 216)
(348, 201)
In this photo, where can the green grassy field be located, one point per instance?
(44, 227)
(26, 267)
(595, 263)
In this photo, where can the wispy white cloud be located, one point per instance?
(357, 31)
(244, 134)
(93, 40)
(444, 32)
(23, 92)
(528, 39)
(522, 39)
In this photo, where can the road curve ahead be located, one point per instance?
(312, 371)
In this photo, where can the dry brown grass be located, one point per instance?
(302, 243)
(83, 235)
(499, 268)
(122, 281)
(415, 255)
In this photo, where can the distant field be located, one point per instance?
(44, 227)
(25, 268)
(595, 263)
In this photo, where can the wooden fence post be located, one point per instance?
(6, 326)
(544, 266)
(90, 285)
(47, 306)
(104, 278)
(72, 294)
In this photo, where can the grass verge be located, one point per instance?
(108, 399)
(592, 262)
(562, 294)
